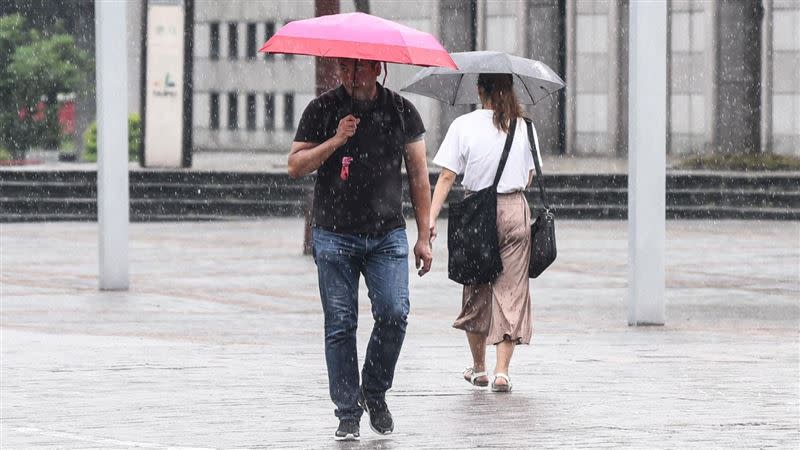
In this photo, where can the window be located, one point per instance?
(233, 41)
(251, 41)
(251, 111)
(288, 111)
(214, 48)
(269, 111)
(213, 120)
(233, 111)
(269, 31)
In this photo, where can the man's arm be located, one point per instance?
(420, 190)
(306, 157)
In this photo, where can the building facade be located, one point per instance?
(733, 86)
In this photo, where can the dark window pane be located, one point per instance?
(214, 111)
(214, 51)
(251, 41)
(268, 33)
(269, 112)
(233, 41)
(288, 111)
(233, 111)
(251, 111)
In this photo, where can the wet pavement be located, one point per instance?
(218, 344)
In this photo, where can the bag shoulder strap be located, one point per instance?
(535, 152)
(512, 128)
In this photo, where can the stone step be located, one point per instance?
(182, 195)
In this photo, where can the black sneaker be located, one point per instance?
(348, 430)
(380, 419)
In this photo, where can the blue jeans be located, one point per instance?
(383, 260)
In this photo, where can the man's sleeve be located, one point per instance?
(311, 127)
(415, 129)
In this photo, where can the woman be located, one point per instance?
(498, 313)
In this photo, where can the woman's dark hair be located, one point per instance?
(498, 88)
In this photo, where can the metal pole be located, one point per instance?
(112, 145)
(647, 161)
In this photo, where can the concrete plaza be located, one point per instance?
(218, 344)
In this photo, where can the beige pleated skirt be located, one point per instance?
(501, 310)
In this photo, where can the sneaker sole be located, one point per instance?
(349, 437)
(364, 406)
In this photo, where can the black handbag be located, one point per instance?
(543, 229)
(472, 246)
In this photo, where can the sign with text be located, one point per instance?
(164, 89)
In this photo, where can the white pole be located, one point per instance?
(112, 143)
(647, 106)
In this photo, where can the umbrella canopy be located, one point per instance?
(533, 80)
(359, 36)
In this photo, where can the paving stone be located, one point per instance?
(218, 344)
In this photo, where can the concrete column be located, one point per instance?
(618, 77)
(571, 76)
(523, 24)
(480, 21)
(434, 133)
(647, 161)
(458, 33)
(544, 40)
(766, 78)
(669, 77)
(134, 22)
(112, 145)
(736, 51)
(712, 69)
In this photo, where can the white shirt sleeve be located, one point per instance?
(450, 155)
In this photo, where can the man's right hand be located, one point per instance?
(346, 129)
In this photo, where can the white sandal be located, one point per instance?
(472, 379)
(501, 387)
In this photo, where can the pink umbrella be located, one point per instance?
(359, 36)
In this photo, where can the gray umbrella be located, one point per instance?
(533, 80)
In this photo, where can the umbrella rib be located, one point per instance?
(458, 86)
(526, 88)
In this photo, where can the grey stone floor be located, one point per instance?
(218, 344)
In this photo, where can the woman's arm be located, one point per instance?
(443, 185)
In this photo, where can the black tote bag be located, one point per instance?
(543, 228)
(473, 249)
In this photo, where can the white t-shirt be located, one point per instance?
(473, 146)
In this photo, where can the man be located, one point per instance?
(356, 137)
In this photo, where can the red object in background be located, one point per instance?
(66, 117)
(40, 110)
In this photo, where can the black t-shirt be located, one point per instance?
(369, 201)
